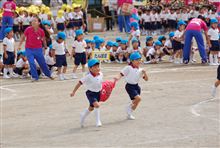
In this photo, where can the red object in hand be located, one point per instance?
(106, 91)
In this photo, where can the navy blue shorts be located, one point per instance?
(61, 60)
(172, 24)
(159, 25)
(215, 46)
(133, 90)
(153, 26)
(92, 97)
(218, 72)
(24, 27)
(60, 26)
(16, 28)
(147, 26)
(177, 45)
(80, 58)
(70, 24)
(77, 22)
(10, 60)
(18, 70)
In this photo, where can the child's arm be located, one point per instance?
(5, 53)
(145, 77)
(75, 89)
(118, 77)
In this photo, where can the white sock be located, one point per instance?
(215, 60)
(129, 109)
(10, 71)
(5, 71)
(97, 114)
(84, 114)
(211, 59)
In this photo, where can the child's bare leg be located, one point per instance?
(135, 102)
(59, 70)
(83, 68)
(64, 69)
(217, 83)
(75, 68)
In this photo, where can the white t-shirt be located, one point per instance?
(153, 17)
(120, 50)
(184, 16)
(136, 34)
(178, 34)
(214, 34)
(49, 60)
(43, 17)
(165, 16)
(151, 51)
(70, 16)
(102, 48)
(20, 63)
(158, 17)
(213, 16)
(88, 50)
(17, 20)
(26, 20)
(172, 16)
(79, 46)
(145, 17)
(132, 75)
(135, 50)
(10, 43)
(78, 15)
(92, 83)
(59, 48)
(168, 44)
(60, 20)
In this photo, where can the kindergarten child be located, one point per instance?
(9, 53)
(152, 54)
(60, 53)
(135, 46)
(132, 74)
(169, 45)
(122, 52)
(113, 52)
(149, 45)
(135, 33)
(213, 34)
(50, 60)
(93, 83)
(78, 52)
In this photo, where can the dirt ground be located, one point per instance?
(176, 110)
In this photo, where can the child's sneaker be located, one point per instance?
(64, 77)
(6, 77)
(74, 76)
(60, 77)
(214, 91)
(131, 117)
(99, 124)
(15, 75)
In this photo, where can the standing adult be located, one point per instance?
(8, 13)
(35, 38)
(194, 29)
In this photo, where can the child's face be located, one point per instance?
(95, 69)
(108, 47)
(60, 40)
(11, 34)
(157, 47)
(24, 58)
(123, 46)
(88, 44)
(102, 44)
(182, 27)
(80, 37)
(52, 52)
(214, 25)
(93, 45)
(114, 48)
(135, 45)
(163, 42)
(150, 43)
(137, 62)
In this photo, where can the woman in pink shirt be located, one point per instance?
(8, 14)
(194, 29)
(35, 38)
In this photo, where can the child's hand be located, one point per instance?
(72, 94)
(5, 55)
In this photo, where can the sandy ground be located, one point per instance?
(176, 110)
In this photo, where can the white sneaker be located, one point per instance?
(176, 62)
(121, 62)
(61, 77)
(212, 64)
(64, 77)
(6, 77)
(214, 91)
(15, 75)
(131, 117)
(216, 64)
(99, 124)
(81, 120)
(74, 76)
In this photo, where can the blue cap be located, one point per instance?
(181, 22)
(124, 42)
(101, 40)
(78, 32)
(109, 43)
(92, 62)
(160, 38)
(50, 47)
(135, 25)
(115, 44)
(148, 38)
(134, 40)
(158, 43)
(118, 39)
(7, 30)
(61, 35)
(46, 22)
(21, 52)
(213, 21)
(95, 37)
(93, 41)
(87, 41)
(171, 34)
(135, 56)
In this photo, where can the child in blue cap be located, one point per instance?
(50, 60)
(169, 46)
(149, 45)
(135, 32)
(122, 51)
(152, 54)
(135, 46)
(88, 49)
(9, 53)
(79, 52)
(113, 52)
(60, 54)
(132, 74)
(93, 83)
